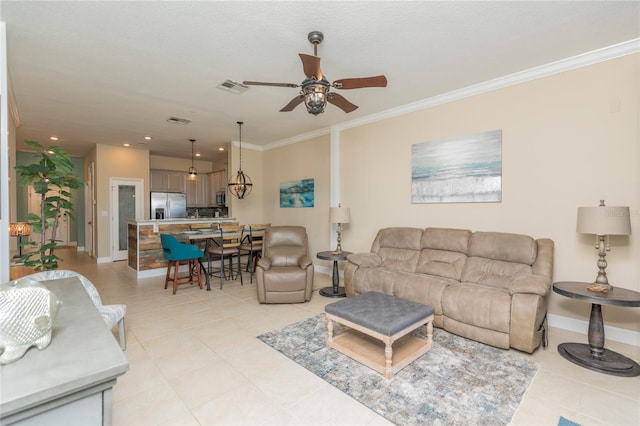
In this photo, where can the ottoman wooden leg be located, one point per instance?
(329, 331)
(388, 359)
(430, 335)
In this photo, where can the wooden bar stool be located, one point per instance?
(227, 246)
(176, 253)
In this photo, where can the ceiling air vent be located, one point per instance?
(233, 87)
(178, 120)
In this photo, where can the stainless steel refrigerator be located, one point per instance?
(168, 205)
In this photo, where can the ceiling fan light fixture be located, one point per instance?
(315, 95)
(240, 185)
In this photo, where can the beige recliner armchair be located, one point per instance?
(285, 272)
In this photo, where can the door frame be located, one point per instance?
(89, 213)
(114, 182)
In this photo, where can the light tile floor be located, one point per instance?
(195, 360)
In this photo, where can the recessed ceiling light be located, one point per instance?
(147, 138)
(221, 148)
(54, 138)
(126, 144)
(197, 154)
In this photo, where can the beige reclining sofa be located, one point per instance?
(486, 286)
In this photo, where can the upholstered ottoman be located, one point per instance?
(379, 330)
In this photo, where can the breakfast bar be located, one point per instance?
(145, 255)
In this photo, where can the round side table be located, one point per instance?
(336, 290)
(594, 356)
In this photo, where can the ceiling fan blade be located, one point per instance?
(293, 103)
(341, 102)
(262, 83)
(358, 83)
(311, 66)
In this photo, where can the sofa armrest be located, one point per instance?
(304, 262)
(365, 260)
(533, 284)
(264, 263)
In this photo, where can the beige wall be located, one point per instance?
(251, 208)
(568, 140)
(304, 160)
(115, 162)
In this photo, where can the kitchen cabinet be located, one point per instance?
(217, 183)
(167, 181)
(198, 191)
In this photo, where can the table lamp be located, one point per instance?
(339, 215)
(603, 221)
(19, 229)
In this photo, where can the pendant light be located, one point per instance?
(240, 185)
(193, 173)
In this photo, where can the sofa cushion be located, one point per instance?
(456, 240)
(403, 238)
(478, 305)
(374, 279)
(493, 273)
(441, 263)
(502, 246)
(398, 248)
(421, 288)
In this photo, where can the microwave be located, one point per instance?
(220, 198)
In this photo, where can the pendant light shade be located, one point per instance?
(193, 173)
(240, 185)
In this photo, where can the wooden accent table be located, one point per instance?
(594, 356)
(374, 318)
(335, 290)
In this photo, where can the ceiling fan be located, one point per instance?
(315, 89)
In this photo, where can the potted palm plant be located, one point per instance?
(52, 177)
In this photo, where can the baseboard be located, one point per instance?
(616, 334)
(324, 270)
(104, 259)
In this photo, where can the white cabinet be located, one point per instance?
(167, 181)
(217, 183)
(197, 191)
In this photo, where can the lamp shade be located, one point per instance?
(339, 215)
(604, 220)
(19, 229)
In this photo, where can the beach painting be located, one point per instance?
(465, 169)
(297, 193)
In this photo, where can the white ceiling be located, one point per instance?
(112, 72)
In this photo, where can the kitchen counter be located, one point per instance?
(145, 250)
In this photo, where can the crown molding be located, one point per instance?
(607, 53)
(248, 145)
(600, 55)
(299, 138)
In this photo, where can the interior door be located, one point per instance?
(126, 204)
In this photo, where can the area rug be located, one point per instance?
(458, 382)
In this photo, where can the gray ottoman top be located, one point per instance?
(380, 312)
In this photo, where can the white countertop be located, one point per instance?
(181, 220)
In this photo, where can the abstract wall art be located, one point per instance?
(297, 193)
(458, 170)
